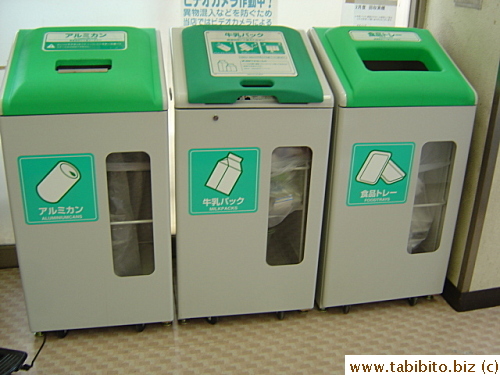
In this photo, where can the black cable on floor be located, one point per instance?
(27, 367)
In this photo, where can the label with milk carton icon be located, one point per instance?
(223, 181)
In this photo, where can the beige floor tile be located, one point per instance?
(303, 343)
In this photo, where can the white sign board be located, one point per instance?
(375, 12)
(229, 12)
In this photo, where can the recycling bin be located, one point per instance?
(252, 126)
(403, 121)
(84, 134)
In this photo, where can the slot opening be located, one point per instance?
(257, 83)
(394, 65)
(83, 66)
(398, 59)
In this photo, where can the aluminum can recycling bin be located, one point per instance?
(252, 129)
(403, 121)
(84, 134)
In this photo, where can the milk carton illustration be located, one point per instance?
(225, 174)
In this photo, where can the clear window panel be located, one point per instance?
(429, 209)
(130, 210)
(290, 177)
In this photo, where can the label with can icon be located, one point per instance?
(58, 182)
(58, 188)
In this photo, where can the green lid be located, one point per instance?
(83, 70)
(224, 63)
(394, 67)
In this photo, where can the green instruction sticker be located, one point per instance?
(380, 173)
(85, 40)
(223, 181)
(58, 188)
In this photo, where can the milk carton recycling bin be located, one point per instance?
(252, 136)
(84, 134)
(403, 119)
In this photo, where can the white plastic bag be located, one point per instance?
(287, 182)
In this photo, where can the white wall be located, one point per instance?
(471, 37)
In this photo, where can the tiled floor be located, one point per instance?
(303, 343)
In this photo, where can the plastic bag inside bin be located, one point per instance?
(436, 162)
(129, 190)
(289, 173)
(421, 220)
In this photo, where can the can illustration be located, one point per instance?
(58, 182)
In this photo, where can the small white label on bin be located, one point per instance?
(386, 36)
(85, 40)
(248, 53)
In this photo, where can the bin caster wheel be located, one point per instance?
(62, 334)
(140, 327)
(212, 320)
(280, 315)
(412, 301)
(346, 309)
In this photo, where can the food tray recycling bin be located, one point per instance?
(403, 121)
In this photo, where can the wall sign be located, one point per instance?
(229, 12)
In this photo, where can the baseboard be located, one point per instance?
(8, 256)
(467, 301)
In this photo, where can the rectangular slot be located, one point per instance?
(431, 197)
(83, 66)
(131, 213)
(257, 83)
(289, 194)
(414, 58)
(394, 65)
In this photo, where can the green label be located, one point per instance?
(380, 173)
(58, 188)
(85, 40)
(223, 181)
